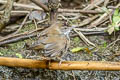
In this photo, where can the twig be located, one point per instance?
(36, 26)
(88, 20)
(101, 19)
(42, 21)
(16, 12)
(17, 37)
(106, 2)
(80, 11)
(59, 10)
(22, 24)
(44, 7)
(91, 30)
(23, 5)
(111, 44)
(73, 75)
(84, 38)
(94, 4)
(21, 34)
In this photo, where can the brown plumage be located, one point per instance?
(52, 41)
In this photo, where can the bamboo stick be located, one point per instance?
(85, 65)
(25, 63)
(65, 65)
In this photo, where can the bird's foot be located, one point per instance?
(60, 60)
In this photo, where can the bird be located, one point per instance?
(53, 42)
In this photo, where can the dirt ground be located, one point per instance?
(44, 74)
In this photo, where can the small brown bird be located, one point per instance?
(52, 41)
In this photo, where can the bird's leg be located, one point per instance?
(60, 60)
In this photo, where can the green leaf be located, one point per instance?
(1, 54)
(110, 29)
(105, 44)
(116, 12)
(115, 22)
(116, 17)
(19, 55)
(74, 50)
(117, 28)
(76, 39)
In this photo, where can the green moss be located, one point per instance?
(76, 39)
(5, 51)
(15, 48)
(27, 27)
